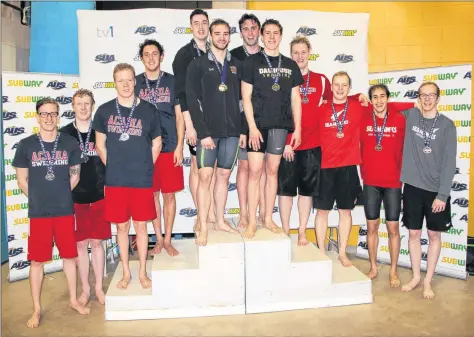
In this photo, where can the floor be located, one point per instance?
(393, 313)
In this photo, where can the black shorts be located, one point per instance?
(300, 176)
(392, 202)
(192, 150)
(340, 184)
(417, 206)
(274, 141)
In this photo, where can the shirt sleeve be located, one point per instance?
(180, 64)
(449, 163)
(155, 124)
(75, 154)
(194, 99)
(297, 76)
(21, 157)
(98, 122)
(248, 71)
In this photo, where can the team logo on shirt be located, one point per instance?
(41, 158)
(333, 120)
(273, 72)
(233, 69)
(91, 151)
(163, 95)
(419, 132)
(114, 125)
(387, 129)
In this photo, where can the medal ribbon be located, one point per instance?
(84, 146)
(379, 136)
(277, 77)
(223, 70)
(155, 96)
(53, 156)
(199, 52)
(129, 119)
(427, 138)
(246, 51)
(306, 87)
(339, 123)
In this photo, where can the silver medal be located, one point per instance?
(340, 134)
(124, 137)
(50, 176)
(305, 100)
(427, 150)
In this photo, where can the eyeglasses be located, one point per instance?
(430, 96)
(48, 114)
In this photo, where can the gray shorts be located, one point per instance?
(274, 141)
(225, 153)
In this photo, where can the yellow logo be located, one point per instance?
(313, 57)
(30, 114)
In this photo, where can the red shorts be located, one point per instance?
(90, 221)
(123, 203)
(42, 233)
(167, 178)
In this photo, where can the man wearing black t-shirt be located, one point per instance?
(128, 140)
(198, 46)
(272, 105)
(88, 197)
(48, 166)
(158, 87)
(249, 26)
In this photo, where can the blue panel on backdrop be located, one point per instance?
(53, 36)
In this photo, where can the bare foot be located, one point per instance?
(411, 285)
(145, 282)
(428, 292)
(201, 239)
(123, 283)
(170, 249)
(372, 272)
(302, 240)
(394, 280)
(225, 227)
(157, 249)
(259, 220)
(80, 308)
(197, 227)
(345, 260)
(250, 231)
(272, 226)
(99, 293)
(84, 298)
(243, 222)
(33, 322)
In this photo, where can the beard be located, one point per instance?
(220, 48)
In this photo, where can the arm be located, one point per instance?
(180, 65)
(178, 153)
(100, 139)
(193, 94)
(449, 164)
(400, 106)
(247, 90)
(74, 175)
(296, 111)
(22, 178)
(156, 145)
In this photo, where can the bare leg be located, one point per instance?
(83, 265)
(157, 226)
(285, 204)
(122, 241)
(255, 171)
(271, 166)
(193, 184)
(414, 244)
(98, 262)
(304, 209)
(345, 226)
(261, 198)
(142, 248)
(36, 282)
(220, 197)
(394, 247)
(203, 198)
(242, 191)
(320, 228)
(373, 244)
(434, 250)
(169, 200)
(69, 267)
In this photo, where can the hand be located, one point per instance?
(243, 141)
(438, 206)
(324, 102)
(207, 143)
(364, 100)
(191, 135)
(296, 139)
(255, 137)
(289, 154)
(178, 156)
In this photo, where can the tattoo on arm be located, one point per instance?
(75, 170)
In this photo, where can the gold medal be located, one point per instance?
(222, 87)
(275, 87)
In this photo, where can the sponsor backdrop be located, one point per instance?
(455, 103)
(109, 37)
(20, 93)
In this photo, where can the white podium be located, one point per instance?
(233, 275)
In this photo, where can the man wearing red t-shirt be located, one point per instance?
(382, 134)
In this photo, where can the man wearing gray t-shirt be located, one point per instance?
(429, 164)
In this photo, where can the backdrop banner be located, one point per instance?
(20, 93)
(455, 103)
(106, 38)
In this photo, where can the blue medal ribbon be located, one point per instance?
(275, 85)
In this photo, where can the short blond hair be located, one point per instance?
(300, 39)
(82, 93)
(123, 66)
(340, 74)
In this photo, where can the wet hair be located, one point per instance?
(217, 22)
(271, 22)
(198, 11)
(46, 100)
(246, 17)
(150, 42)
(378, 86)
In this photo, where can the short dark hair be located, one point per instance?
(198, 11)
(217, 22)
(271, 22)
(150, 42)
(246, 17)
(379, 86)
(44, 101)
(438, 91)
